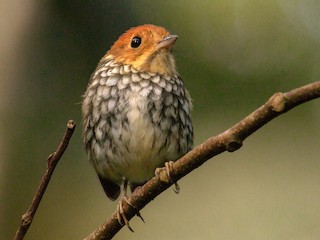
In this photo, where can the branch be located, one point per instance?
(53, 160)
(230, 140)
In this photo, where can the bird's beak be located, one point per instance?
(167, 42)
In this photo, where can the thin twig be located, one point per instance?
(230, 140)
(53, 159)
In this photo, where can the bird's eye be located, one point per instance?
(136, 41)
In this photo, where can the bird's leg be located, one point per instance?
(120, 212)
(168, 168)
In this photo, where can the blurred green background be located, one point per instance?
(232, 54)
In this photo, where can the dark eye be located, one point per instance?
(136, 41)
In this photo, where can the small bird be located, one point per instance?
(136, 111)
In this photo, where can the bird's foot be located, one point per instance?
(168, 168)
(121, 216)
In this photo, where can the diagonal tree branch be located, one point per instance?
(53, 160)
(230, 140)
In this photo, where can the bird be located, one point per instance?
(136, 111)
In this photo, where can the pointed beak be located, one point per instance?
(167, 42)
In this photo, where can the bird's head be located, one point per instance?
(146, 48)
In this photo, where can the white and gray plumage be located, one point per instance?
(136, 110)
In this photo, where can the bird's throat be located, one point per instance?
(161, 63)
